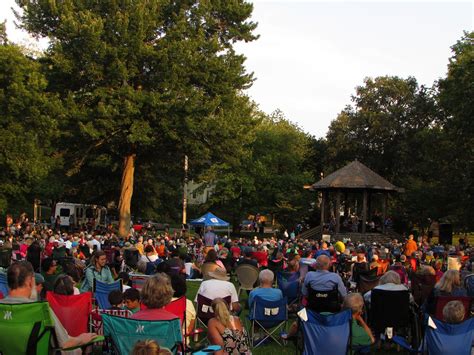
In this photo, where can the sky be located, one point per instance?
(311, 55)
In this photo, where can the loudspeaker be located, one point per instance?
(445, 233)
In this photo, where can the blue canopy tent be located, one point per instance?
(210, 220)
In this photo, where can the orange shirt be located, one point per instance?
(410, 247)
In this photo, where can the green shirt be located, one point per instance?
(359, 335)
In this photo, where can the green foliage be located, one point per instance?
(28, 128)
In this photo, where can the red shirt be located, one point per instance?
(153, 314)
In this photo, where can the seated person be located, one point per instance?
(156, 293)
(219, 287)
(322, 279)
(64, 285)
(390, 281)
(150, 255)
(21, 282)
(448, 285)
(96, 270)
(227, 331)
(247, 259)
(362, 336)
(131, 299)
(266, 290)
(178, 282)
(115, 299)
(454, 312)
(49, 267)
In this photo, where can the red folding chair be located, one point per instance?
(73, 311)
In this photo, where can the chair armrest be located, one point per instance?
(97, 339)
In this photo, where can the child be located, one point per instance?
(131, 298)
(115, 299)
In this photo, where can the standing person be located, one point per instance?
(97, 270)
(227, 331)
(210, 238)
(410, 246)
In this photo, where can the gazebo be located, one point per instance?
(353, 178)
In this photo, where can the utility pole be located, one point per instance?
(185, 189)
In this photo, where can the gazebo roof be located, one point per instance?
(354, 176)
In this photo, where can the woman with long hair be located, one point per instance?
(448, 285)
(227, 331)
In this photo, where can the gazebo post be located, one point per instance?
(323, 205)
(337, 214)
(384, 213)
(364, 212)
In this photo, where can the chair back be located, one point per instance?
(138, 280)
(324, 301)
(389, 309)
(449, 339)
(3, 284)
(73, 311)
(125, 332)
(25, 328)
(421, 286)
(326, 334)
(247, 276)
(441, 301)
(269, 313)
(178, 308)
(204, 307)
(289, 284)
(102, 290)
(366, 284)
(469, 285)
(5, 257)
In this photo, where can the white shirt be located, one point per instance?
(213, 289)
(149, 259)
(96, 242)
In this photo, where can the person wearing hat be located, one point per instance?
(218, 286)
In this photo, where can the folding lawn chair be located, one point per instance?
(125, 332)
(289, 284)
(3, 284)
(138, 280)
(324, 301)
(443, 338)
(102, 290)
(5, 257)
(97, 323)
(204, 310)
(247, 276)
(73, 311)
(367, 282)
(270, 316)
(325, 334)
(28, 328)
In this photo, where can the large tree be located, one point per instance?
(141, 76)
(456, 97)
(28, 127)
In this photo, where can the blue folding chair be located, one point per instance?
(3, 284)
(326, 334)
(125, 332)
(102, 290)
(289, 284)
(443, 338)
(270, 316)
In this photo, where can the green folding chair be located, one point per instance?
(125, 332)
(28, 328)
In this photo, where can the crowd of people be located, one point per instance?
(67, 263)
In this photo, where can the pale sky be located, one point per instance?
(312, 54)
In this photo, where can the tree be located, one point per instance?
(456, 98)
(140, 76)
(28, 127)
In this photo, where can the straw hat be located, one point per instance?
(219, 274)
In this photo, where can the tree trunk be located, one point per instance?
(126, 193)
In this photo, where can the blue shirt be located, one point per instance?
(268, 294)
(210, 239)
(323, 280)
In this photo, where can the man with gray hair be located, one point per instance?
(265, 291)
(322, 279)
